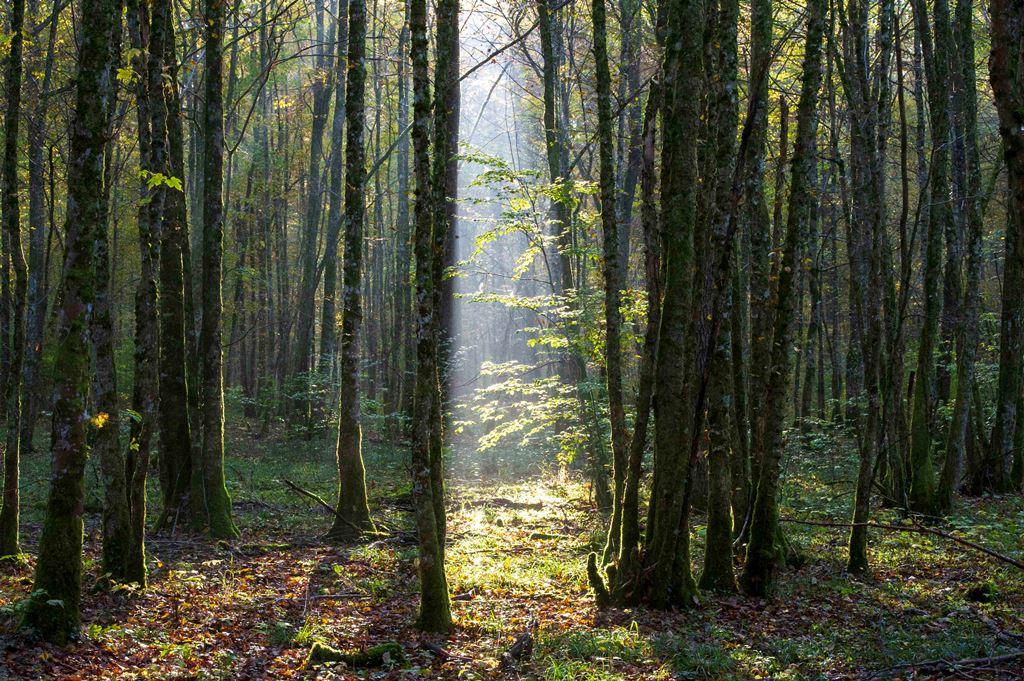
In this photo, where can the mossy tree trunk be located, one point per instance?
(106, 443)
(352, 516)
(667, 576)
(757, 227)
(763, 550)
(435, 604)
(55, 611)
(175, 416)
(967, 183)
(869, 98)
(444, 188)
(723, 111)
(11, 216)
(629, 544)
(211, 503)
(613, 275)
(936, 52)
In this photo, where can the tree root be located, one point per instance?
(521, 649)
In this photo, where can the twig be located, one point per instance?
(916, 529)
(951, 665)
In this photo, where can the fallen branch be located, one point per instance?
(502, 502)
(914, 529)
(951, 665)
(443, 654)
(309, 495)
(353, 595)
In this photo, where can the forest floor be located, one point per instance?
(518, 540)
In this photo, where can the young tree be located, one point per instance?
(613, 273)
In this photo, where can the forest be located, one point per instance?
(533, 339)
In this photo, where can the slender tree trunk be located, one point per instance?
(177, 406)
(106, 446)
(35, 324)
(435, 605)
(352, 516)
(211, 501)
(629, 544)
(402, 362)
(667, 573)
(718, 573)
(11, 216)
(936, 60)
(613, 275)
(968, 172)
(329, 322)
(321, 91)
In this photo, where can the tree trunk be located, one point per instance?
(968, 182)
(38, 260)
(212, 503)
(54, 611)
(667, 574)
(940, 215)
(763, 550)
(613, 275)
(305, 314)
(329, 322)
(11, 216)
(352, 516)
(435, 605)
(176, 386)
(723, 109)
(1007, 79)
